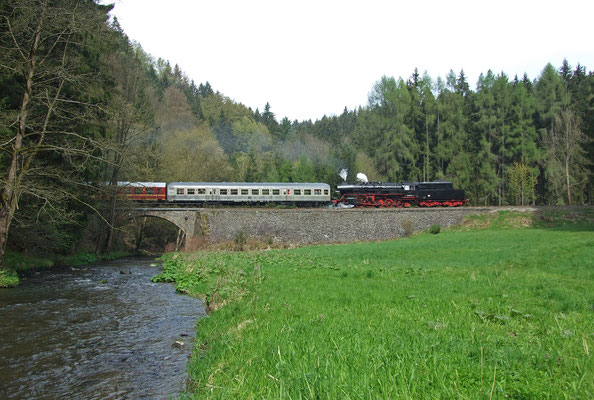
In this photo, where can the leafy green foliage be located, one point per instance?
(16, 261)
(8, 278)
(522, 181)
(83, 258)
(435, 229)
(220, 278)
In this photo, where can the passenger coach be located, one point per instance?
(248, 192)
(142, 191)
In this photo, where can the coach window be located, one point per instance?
(244, 192)
(318, 191)
(326, 192)
(275, 192)
(223, 192)
(255, 192)
(297, 192)
(234, 192)
(307, 192)
(192, 191)
(265, 192)
(150, 191)
(201, 191)
(180, 191)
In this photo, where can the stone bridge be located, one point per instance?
(190, 221)
(302, 226)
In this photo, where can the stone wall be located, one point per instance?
(304, 226)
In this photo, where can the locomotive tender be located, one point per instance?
(406, 194)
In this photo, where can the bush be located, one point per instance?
(8, 278)
(435, 229)
(83, 258)
(408, 227)
(240, 240)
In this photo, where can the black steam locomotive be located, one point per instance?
(406, 194)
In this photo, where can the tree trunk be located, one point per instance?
(180, 239)
(5, 220)
(111, 217)
(568, 135)
(9, 201)
(140, 235)
(9, 192)
(111, 220)
(567, 180)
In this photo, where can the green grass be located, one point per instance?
(23, 262)
(13, 262)
(500, 312)
(8, 278)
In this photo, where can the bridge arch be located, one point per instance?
(189, 222)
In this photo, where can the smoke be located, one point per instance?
(361, 177)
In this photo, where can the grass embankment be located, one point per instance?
(499, 312)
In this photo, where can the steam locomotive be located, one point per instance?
(406, 194)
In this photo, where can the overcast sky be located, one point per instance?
(313, 58)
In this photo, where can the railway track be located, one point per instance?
(197, 207)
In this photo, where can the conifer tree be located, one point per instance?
(452, 149)
(486, 180)
(429, 110)
(552, 99)
(387, 138)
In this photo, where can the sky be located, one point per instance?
(314, 58)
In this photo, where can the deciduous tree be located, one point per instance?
(47, 53)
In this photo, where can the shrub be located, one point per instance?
(82, 258)
(435, 229)
(8, 278)
(240, 240)
(408, 227)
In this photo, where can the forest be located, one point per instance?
(81, 105)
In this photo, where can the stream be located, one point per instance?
(99, 332)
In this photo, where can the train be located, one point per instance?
(359, 194)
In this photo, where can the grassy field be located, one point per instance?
(485, 310)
